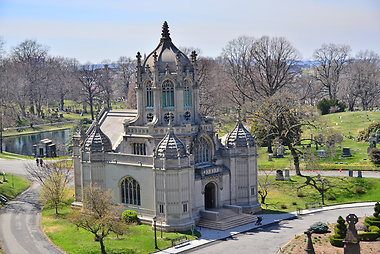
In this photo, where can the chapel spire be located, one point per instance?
(165, 32)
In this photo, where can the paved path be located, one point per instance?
(277, 230)
(20, 227)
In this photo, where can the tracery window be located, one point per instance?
(202, 151)
(130, 191)
(167, 94)
(149, 95)
(187, 95)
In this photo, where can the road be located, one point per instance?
(269, 239)
(20, 227)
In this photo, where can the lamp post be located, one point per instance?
(155, 232)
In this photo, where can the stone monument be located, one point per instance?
(279, 175)
(287, 176)
(281, 151)
(377, 136)
(350, 173)
(270, 156)
(309, 248)
(322, 154)
(351, 241)
(346, 152)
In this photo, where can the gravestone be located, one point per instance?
(360, 173)
(281, 151)
(287, 176)
(322, 154)
(351, 241)
(377, 137)
(309, 247)
(4, 179)
(350, 173)
(279, 175)
(346, 152)
(270, 156)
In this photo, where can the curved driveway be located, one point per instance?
(20, 227)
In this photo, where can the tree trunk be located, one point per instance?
(102, 248)
(56, 209)
(62, 103)
(296, 159)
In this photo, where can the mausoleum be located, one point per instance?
(165, 159)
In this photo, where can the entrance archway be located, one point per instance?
(210, 196)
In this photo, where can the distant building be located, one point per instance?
(165, 160)
(44, 148)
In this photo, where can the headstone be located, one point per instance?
(322, 154)
(4, 179)
(346, 152)
(309, 248)
(270, 156)
(360, 173)
(351, 241)
(350, 173)
(377, 136)
(281, 151)
(279, 175)
(287, 176)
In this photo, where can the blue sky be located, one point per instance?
(92, 31)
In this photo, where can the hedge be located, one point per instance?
(368, 236)
(337, 242)
(372, 221)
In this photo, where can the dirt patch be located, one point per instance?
(50, 229)
(321, 244)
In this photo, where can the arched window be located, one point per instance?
(149, 95)
(187, 95)
(167, 94)
(130, 191)
(202, 151)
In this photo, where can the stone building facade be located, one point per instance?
(166, 160)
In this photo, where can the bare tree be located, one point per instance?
(363, 79)
(331, 60)
(105, 77)
(264, 185)
(98, 215)
(285, 117)
(88, 80)
(125, 68)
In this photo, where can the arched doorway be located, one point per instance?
(210, 196)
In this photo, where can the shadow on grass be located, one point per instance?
(270, 211)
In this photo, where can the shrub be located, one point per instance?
(319, 228)
(294, 203)
(330, 197)
(284, 206)
(374, 155)
(368, 236)
(326, 106)
(340, 229)
(129, 216)
(359, 190)
(376, 214)
(372, 221)
(374, 229)
(337, 242)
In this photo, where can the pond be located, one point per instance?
(23, 144)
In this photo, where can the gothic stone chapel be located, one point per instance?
(165, 159)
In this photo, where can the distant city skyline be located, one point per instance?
(94, 30)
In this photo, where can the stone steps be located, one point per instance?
(229, 222)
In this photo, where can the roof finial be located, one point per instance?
(165, 31)
(170, 122)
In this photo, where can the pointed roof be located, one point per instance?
(239, 136)
(97, 141)
(170, 146)
(166, 55)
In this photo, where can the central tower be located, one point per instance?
(167, 87)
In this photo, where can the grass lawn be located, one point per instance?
(7, 155)
(287, 196)
(139, 239)
(347, 123)
(14, 186)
